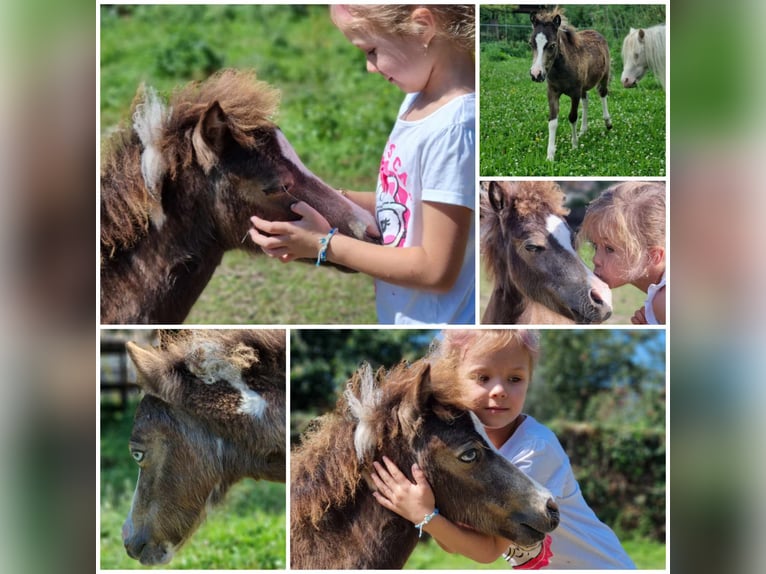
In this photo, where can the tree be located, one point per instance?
(587, 374)
(323, 360)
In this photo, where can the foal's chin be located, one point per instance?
(590, 318)
(157, 554)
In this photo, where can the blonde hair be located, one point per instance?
(456, 22)
(632, 216)
(447, 356)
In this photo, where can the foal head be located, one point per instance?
(544, 42)
(213, 413)
(530, 247)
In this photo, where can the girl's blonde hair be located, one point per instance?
(447, 356)
(456, 22)
(631, 215)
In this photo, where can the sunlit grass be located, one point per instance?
(514, 128)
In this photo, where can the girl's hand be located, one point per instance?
(398, 494)
(288, 240)
(639, 317)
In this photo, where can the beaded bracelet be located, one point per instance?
(426, 519)
(324, 243)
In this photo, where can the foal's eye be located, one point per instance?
(138, 455)
(533, 248)
(470, 455)
(551, 46)
(281, 188)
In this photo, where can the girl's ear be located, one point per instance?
(657, 255)
(424, 19)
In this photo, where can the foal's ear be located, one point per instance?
(152, 370)
(210, 135)
(533, 17)
(556, 21)
(496, 196)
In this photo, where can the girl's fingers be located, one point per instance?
(396, 474)
(382, 473)
(382, 500)
(418, 474)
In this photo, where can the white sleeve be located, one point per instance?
(543, 461)
(449, 167)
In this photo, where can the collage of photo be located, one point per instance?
(383, 286)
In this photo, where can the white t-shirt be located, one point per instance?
(581, 540)
(431, 159)
(651, 293)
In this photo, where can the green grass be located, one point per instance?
(246, 532)
(260, 290)
(646, 554)
(336, 115)
(514, 128)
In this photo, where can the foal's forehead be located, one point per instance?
(547, 29)
(559, 229)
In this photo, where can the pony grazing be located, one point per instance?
(573, 62)
(213, 413)
(408, 416)
(528, 250)
(642, 50)
(179, 187)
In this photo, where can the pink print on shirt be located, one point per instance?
(391, 210)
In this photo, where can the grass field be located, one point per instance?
(513, 124)
(336, 115)
(646, 554)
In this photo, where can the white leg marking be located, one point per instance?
(605, 108)
(552, 127)
(584, 124)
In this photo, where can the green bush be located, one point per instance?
(621, 472)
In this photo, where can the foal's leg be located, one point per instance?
(584, 123)
(573, 119)
(553, 122)
(603, 91)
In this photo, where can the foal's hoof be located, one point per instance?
(609, 125)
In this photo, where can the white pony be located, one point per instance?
(643, 49)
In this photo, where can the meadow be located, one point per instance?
(513, 125)
(336, 115)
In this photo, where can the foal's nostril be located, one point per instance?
(595, 297)
(553, 512)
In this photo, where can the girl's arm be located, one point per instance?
(658, 305)
(433, 266)
(414, 501)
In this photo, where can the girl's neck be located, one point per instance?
(652, 277)
(452, 76)
(500, 436)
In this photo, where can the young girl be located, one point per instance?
(626, 225)
(495, 368)
(425, 193)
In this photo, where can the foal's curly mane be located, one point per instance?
(525, 200)
(330, 469)
(126, 201)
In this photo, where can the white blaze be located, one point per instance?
(537, 65)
